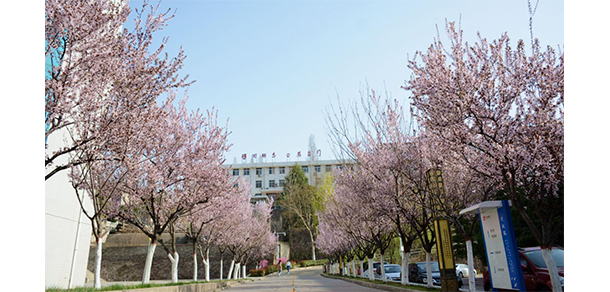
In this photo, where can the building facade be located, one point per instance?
(267, 178)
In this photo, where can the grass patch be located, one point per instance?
(116, 287)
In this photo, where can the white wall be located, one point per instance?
(61, 223)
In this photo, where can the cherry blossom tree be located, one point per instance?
(100, 178)
(501, 109)
(205, 223)
(462, 188)
(385, 148)
(352, 203)
(181, 169)
(96, 71)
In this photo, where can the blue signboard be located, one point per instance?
(501, 248)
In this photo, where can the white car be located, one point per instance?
(461, 270)
(392, 272)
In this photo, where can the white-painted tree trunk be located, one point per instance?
(547, 256)
(174, 260)
(206, 263)
(98, 264)
(195, 267)
(404, 268)
(428, 270)
(371, 275)
(243, 271)
(470, 258)
(354, 268)
(236, 271)
(231, 269)
(148, 264)
(383, 270)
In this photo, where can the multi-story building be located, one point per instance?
(267, 178)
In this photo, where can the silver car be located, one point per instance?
(461, 270)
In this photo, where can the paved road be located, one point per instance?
(301, 280)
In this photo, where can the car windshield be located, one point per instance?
(433, 267)
(536, 257)
(392, 269)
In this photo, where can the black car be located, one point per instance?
(418, 274)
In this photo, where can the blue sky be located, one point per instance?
(272, 67)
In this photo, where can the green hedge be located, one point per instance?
(271, 269)
(257, 273)
(309, 263)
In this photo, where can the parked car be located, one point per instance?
(392, 272)
(365, 274)
(418, 274)
(535, 273)
(461, 270)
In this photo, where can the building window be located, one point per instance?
(236, 185)
(246, 171)
(271, 170)
(305, 169)
(282, 170)
(328, 168)
(282, 183)
(235, 172)
(317, 168)
(259, 171)
(272, 183)
(259, 184)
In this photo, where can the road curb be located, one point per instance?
(372, 285)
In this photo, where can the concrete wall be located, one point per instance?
(62, 212)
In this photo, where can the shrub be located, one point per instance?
(257, 272)
(271, 269)
(309, 263)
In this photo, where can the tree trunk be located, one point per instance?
(243, 271)
(174, 260)
(236, 271)
(195, 266)
(404, 268)
(231, 269)
(98, 264)
(148, 264)
(382, 270)
(428, 270)
(221, 267)
(371, 276)
(313, 245)
(552, 266)
(470, 257)
(206, 263)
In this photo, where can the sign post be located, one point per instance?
(500, 245)
(444, 247)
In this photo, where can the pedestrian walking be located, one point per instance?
(288, 265)
(279, 264)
